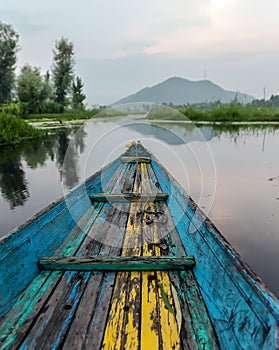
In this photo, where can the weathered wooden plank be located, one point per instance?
(129, 179)
(76, 336)
(133, 197)
(125, 307)
(132, 246)
(156, 287)
(98, 322)
(130, 330)
(150, 327)
(113, 333)
(121, 324)
(134, 159)
(129, 263)
(52, 325)
(136, 150)
(90, 317)
(62, 303)
(120, 179)
(196, 330)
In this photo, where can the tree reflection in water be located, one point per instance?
(12, 177)
(13, 183)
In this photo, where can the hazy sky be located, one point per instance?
(122, 46)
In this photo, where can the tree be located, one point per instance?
(8, 49)
(32, 88)
(62, 69)
(77, 96)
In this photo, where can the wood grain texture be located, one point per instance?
(129, 263)
(196, 331)
(133, 159)
(123, 198)
(123, 318)
(157, 297)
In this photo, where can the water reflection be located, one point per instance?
(188, 132)
(36, 153)
(174, 133)
(13, 183)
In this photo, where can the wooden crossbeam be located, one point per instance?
(139, 159)
(124, 197)
(118, 263)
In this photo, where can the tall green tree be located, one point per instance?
(62, 69)
(77, 95)
(8, 49)
(33, 88)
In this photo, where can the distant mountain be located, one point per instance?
(181, 91)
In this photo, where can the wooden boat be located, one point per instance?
(128, 261)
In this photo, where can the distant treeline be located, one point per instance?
(57, 90)
(217, 112)
(273, 101)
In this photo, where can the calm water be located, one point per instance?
(233, 173)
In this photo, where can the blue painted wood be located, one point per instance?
(42, 235)
(243, 313)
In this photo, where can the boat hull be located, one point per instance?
(213, 301)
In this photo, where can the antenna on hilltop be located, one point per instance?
(205, 74)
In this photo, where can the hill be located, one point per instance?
(181, 91)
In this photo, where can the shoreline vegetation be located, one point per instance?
(223, 114)
(15, 128)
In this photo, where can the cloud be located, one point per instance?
(122, 46)
(225, 26)
(104, 29)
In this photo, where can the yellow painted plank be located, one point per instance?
(132, 246)
(122, 332)
(150, 323)
(162, 327)
(169, 324)
(131, 326)
(112, 337)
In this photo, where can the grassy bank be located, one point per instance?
(15, 130)
(76, 115)
(71, 115)
(226, 113)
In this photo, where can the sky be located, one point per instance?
(122, 46)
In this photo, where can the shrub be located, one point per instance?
(14, 130)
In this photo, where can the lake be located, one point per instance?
(232, 172)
